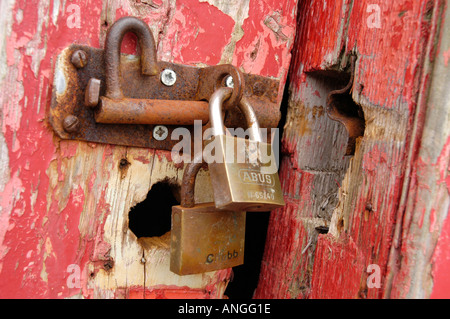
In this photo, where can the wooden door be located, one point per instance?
(373, 224)
(64, 218)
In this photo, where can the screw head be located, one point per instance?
(71, 124)
(168, 77)
(258, 88)
(160, 132)
(79, 59)
(229, 81)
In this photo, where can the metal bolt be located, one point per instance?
(168, 77)
(258, 88)
(79, 59)
(92, 94)
(229, 81)
(160, 132)
(71, 124)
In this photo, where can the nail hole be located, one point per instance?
(340, 225)
(123, 163)
(322, 229)
(123, 167)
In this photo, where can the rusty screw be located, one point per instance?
(258, 88)
(71, 124)
(79, 59)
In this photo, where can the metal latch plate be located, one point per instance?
(71, 81)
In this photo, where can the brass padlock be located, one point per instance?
(204, 238)
(244, 173)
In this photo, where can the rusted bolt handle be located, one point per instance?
(145, 111)
(115, 108)
(112, 52)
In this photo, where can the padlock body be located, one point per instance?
(205, 239)
(239, 180)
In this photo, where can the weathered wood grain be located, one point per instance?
(376, 219)
(66, 203)
(421, 247)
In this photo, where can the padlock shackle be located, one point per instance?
(215, 110)
(188, 182)
(113, 43)
(252, 120)
(216, 117)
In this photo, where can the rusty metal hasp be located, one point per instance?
(106, 97)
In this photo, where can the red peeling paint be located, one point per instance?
(342, 274)
(390, 68)
(400, 49)
(374, 157)
(68, 149)
(48, 236)
(441, 256)
(142, 159)
(163, 155)
(446, 55)
(447, 181)
(443, 162)
(201, 31)
(266, 30)
(441, 263)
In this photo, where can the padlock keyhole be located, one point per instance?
(152, 217)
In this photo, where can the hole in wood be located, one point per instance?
(152, 217)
